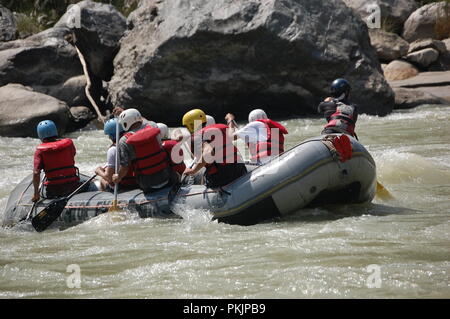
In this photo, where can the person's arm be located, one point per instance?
(207, 152)
(116, 178)
(36, 181)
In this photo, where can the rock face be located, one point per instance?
(98, 28)
(399, 70)
(409, 98)
(7, 25)
(389, 46)
(44, 61)
(233, 55)
(424, 22)
(21, 109)
(394, 11)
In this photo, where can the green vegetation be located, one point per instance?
(37, 15)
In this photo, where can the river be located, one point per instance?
(385, 249)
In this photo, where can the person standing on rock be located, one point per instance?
(263, 136)
(57, 158)
(341, 115)
(213, 148)
(141, 147)
(106, 172)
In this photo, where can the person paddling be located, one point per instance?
(57, 158)
(141, 147)
(341, 115)
(170, 146)
(106, 172)
(213, 146)
(264, 137)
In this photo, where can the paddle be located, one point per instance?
(383, 193)
(53, 210)
(114, 206)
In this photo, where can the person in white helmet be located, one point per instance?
(210, 120)
(263, 136)
(141, 147)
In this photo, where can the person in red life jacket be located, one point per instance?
(213, 146)
(106, 172)
(341, 115)
(141, 147)
(263, 136)
(169, 145)
(57, 158)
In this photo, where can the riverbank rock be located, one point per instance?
(399, 70)
(393, 12)
(81, 116)
(8, 25)
(389, 46)
(98, 28)
(44, 61)
(409, 98)
(423, 58)
(434, 86)
(21, 109)
(230, 56)
(428, 22)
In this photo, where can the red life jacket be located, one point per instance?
(343, 119)
(129, 180)
(168, 146)
(227, 152)
(264, 148)
(59, 162)
(150, 156)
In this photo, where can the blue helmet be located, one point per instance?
(339, 87)
(46, 129)
(110, 129)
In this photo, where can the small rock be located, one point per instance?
(428, 43)
(399, 70)
(424, 57)
(81, 116)
(409, 98)
(389, 46)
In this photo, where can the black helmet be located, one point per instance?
(339, 87)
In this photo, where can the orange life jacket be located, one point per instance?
(59, 163)
(178, 167)
(264, 148)
(150, 157)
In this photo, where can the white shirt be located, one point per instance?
(253, 132)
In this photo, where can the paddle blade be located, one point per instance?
(114, 207)
(49, 214)
(383, 193)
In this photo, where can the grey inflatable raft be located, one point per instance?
(307, 175)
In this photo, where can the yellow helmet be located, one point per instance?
(194, 119)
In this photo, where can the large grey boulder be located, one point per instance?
(389, 46)
(21, 109)
(233, 55)
(44, 61)
(393, 12)
(98, 28)
(8, 25)
(407, 98)
(427, 22)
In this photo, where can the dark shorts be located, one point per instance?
(225, 175)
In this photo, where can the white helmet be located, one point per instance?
(257, 114)
(210, 120)
(128, 117)
(164, 130)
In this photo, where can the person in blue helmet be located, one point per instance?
(340, 114)
(107, 171)
(57, 158)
